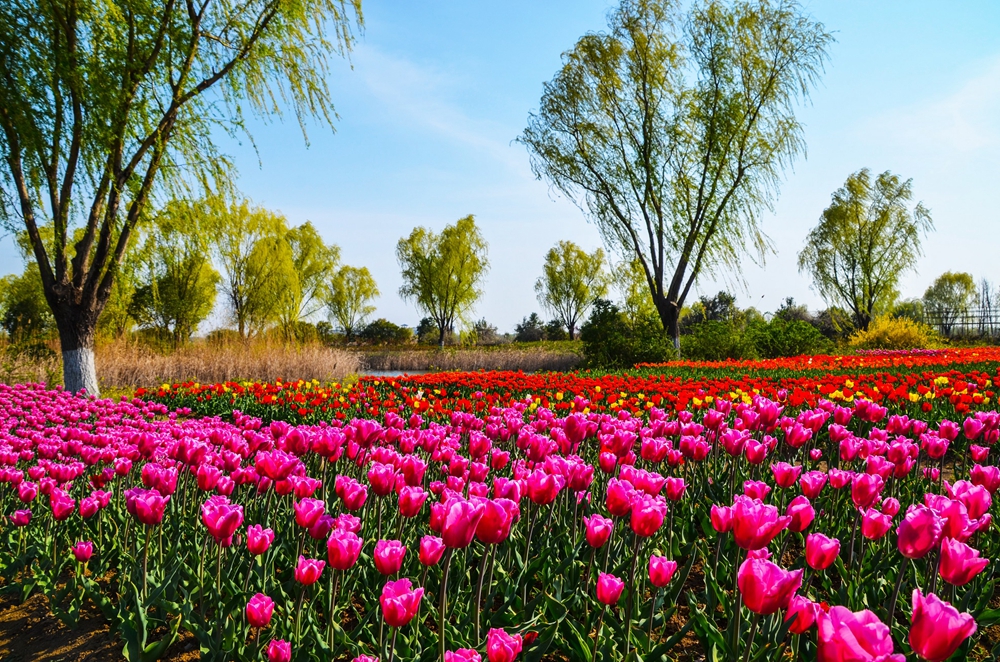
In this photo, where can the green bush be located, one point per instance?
(382, 331)
(784, 337)
(714, 340)
(612, 342)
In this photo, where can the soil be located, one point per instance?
(28, 631)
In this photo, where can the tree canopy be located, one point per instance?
(571, 281)
(951, 295)
(103, 104)
(865, 241)
(349, 298)
(671, 130)
(442, 273)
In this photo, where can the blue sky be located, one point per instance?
(435, 93)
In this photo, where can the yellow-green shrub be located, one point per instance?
(894, 333)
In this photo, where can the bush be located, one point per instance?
(894, 333)
(612, 342)
(714, 340)
(382, 331)
(555, 330)
(834, 323)
(786, 337)
(531, 329)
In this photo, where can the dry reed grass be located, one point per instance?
(528, 360)
(123, 365)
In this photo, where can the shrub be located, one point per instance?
(786, 337)
(893, 333)
(611, 341)
(531, 329)
(555, 330)
(715, 340)
(382, 331)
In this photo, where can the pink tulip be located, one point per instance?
(27, 491)
(846, 636)
(498, 516)
(756, 489)
(976, 498)
(354, 495)
(722, 518)
(388, 556)
(147, 506)
(959, 562)
(765, 587)
(619, 496)
(661, 571)
(755, 524)
(890, 507)
(83, 550)
(89, 507)
(279, 650)
(865, 489)
(801, 513)
(431, 550)
(400, 602)
(785, 474)
(343, 548)
(979, 453)
(543, 488)
(459, 522)
(937, 628)
(411, 500)
(598, 530)
(21, 518)
(462, 655)
(802, 612)
(259, 539)
(308, 512)
(919, 532)
(821, 551)
(308, 571)
(874, 525)
(502, 647)
(674, 488)
(609, 588)
(812, 484)
(221, 518)
(259, 611)
(62, 506)
(648, 514)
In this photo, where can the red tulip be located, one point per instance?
(661, 571)
(821, 551)
(959, 562)
(846, 636)
(259, 611)
(308, 571)
(400, 602)
(609, 588)
(388, 556)
(937, 628)
(502, 647)
(343, 548)
(431, 550)
(755, 524)
(765, 587)
(722, 518)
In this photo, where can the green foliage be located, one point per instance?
(554, 330)
(886, 332)
(349, 297)
(865, 241)
(486, 333)
(571, 280)
(314, 263)
(671, 129)
(949, 297)
(834, 323)
(427, 332)
(442, 273)
(784, 337)
(716, 340)
(384, 332)
(531, 329)
(910, 309)
(637, 302)
(612, 341)
(24, 313)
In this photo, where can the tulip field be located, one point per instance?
(824, 508)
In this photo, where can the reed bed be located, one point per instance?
(528, 360)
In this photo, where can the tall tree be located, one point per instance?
(442, 272)
(315, 263)
(349, 298)
(104, 103)
(865, 241)
(571, 280)
(256, 260)
(671, 130)
(949, 297)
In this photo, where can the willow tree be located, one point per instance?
(865, 241)
(442, 272)
(671, 130)
(571, 281)
(349, 298)
(104, 103)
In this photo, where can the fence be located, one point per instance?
(969, 324)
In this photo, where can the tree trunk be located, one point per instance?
(76, 339)
(571, 328)
(670, 315)
(441, 332)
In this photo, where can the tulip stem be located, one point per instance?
(392, 644)
(631, 597)
(442, 615)
(895, 595)
(479, 591)
(652, 611)
(753, 632)
(597, 635)
(335, 579)
(145, 558)
(736, 614)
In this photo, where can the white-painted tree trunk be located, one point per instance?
(79, 371)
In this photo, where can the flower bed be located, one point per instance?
(753, 529)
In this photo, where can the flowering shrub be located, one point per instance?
(746, 529)
(893, 333)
